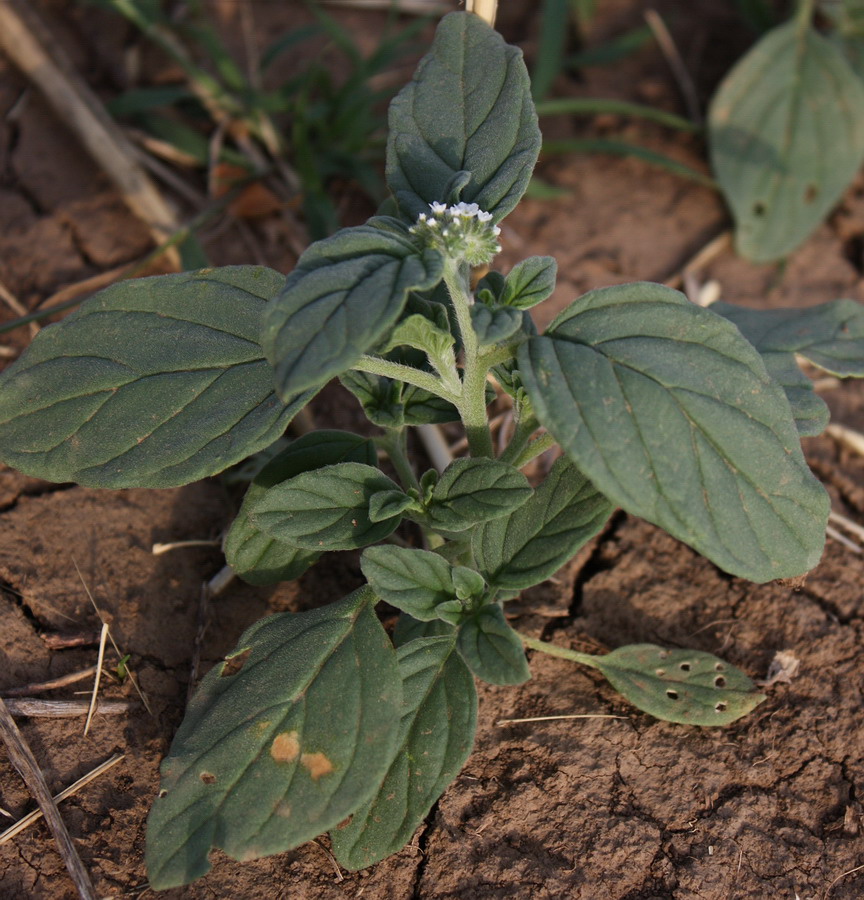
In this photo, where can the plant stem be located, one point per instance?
(804, 14)
(394, 444)
(585, 659)
(378, 366)
(524, 429)
(472, 403)
(533, 450)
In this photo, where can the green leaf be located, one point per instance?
(392, 404)
(671, 414)
(830, 335)
(419, 332)
(534, 541)
(689, 687)
(258, 557)
(530, 282)
(468, 583)
(494, 325)
(468, 109)
(436, 735)
(342, 299)
(410, 629)
(386, 504)
(768, 124)
(154, 382)
(271, 756)
(327, 509)
(492, 648)
(415, 581)
(471, 491)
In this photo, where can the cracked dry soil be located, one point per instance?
(592, 809)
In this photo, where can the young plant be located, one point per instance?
(688, 417)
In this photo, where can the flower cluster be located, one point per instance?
(463, 231)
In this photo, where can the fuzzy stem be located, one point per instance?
(394, 444)
(472, 403)
(585, 659)
(377, 366)
(518, 443)
(533, 450)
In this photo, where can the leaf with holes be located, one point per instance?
(471, 491)
(492, 648)
(436, 733)
(153, 382)
(282, 750)
(689, 687)
(671, 414)
(327, 509)
(467, 116)
(535, 540)
(339, 302)
(256, 556)
(767, 129)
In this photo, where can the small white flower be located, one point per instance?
(421, 217)
(461, 231)
(496, 230)
(484, 216)
(438, 208)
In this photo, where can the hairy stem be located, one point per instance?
(533, 450)
(375, 365)
(472, 403)
(585, 659)
(394, 443)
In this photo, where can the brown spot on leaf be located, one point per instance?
(208, 778)
(234, 663)
(285, 747)
(317, 764)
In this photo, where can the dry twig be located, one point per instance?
(25, 764)
(62, 681)
(63, 709)
(676, 64)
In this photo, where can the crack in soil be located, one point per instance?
(39, 490)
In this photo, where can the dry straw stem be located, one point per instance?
(62, 709)
(850, 438)
(676, 64)
(25, 822)
(25, 764)
(103, 637)
(555, 718)
(24, 39)
(52, 684)
(159, 549)
(486, 9)
(834, 534)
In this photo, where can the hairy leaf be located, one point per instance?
(436, 735)
(671, 414)
(690, 687)
(271, 755)
(536, 539)
(492, 648)
(327, 509)
(494, 325)
(471, 491)
(410, 629)
(344, 296)
(467, 110)
(258, 557)
(530, 282)
(768, 124)
(415, 581)
(153, 382)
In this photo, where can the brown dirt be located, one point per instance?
(594, 809)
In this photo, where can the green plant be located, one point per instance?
(768, 121)
(686, 417)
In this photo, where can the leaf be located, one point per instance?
(415, 581)
(492, 648)
(471, 491)
(530, 282)
(342, 299)
(254, 555)
(535, 540)
(436, 735)
(830, 335)
(386, 504)
(689, 687)
(327, 509)
(410, 629)
(271, 756)
(419, 332)
(768, 124)
(494, 325)
(468, 109)
(153, 382)
(392, 404)
(468, 583)
(671, 415)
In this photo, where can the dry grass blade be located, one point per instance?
(62, 709)
(848, 524)
(440, 455)
(555, 718)
(834, 534)
(486, 9)
(159, 549)
(24, 39)
(103, 637)
(676, 64)
(409, 7)
(25, 764)
(53, 684)
(839, 877)
(850, 438)
(26, 821)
